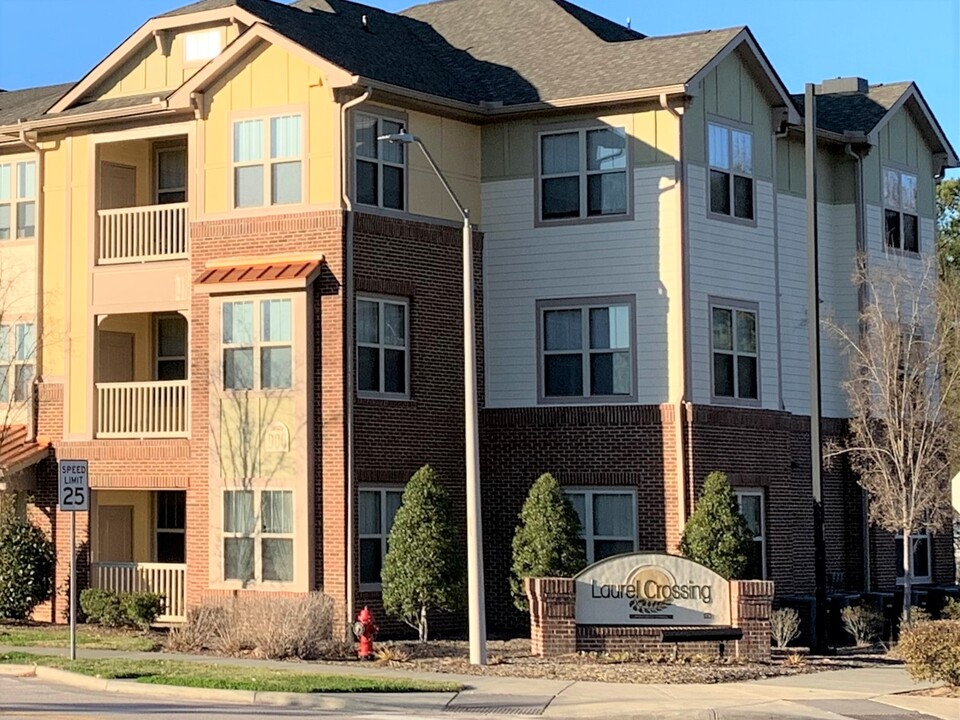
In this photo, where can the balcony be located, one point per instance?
(143, 234)
(157, 409)
(166, 579)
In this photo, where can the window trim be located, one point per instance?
(384, 532)
(15, 201)
(730, 125)
(258, 535)
(583, 303)
(257, 343)
(730, 304)
(916, 579)
(759, 493)
(901, 171)
(158, 150)
(380, 114)
(156, 344)
(588, 491)
(380, 300)
(15, 363)
(581, 128)
(266, 162)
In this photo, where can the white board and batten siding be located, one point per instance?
(524, 264)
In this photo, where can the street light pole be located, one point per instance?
(475, 588)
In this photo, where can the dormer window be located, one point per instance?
(198, 47)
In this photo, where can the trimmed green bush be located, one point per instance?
(27, 563)
(931, 651)
(111, 609)
(716, 535)
(141, 608)
(547, 542)
(423, 570)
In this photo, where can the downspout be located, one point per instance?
(862, 299)
(348, 293)
(778, 132)
(682, 405)
(38, 319)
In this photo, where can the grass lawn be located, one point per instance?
(93, 637)
(228, 677)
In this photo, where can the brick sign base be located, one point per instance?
(554, 630)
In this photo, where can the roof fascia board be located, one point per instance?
(933, 125)
(83, 118)
(144, 34)
(256, 33)
(775, 89)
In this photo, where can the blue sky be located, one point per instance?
(49, 41)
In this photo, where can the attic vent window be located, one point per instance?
(198, 47)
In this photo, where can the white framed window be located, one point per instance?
(268, 161)
(200, 46)
(922, 557)
(18, 200)
(383, 347)
(257, 344)
(735, 352)
(171, 347)
(901, 227)
(258, 535)
(380, 167)
(731, 171)
(377, 509)
(171, 164)
(608, 520)
(751, 507)
(18, 352)
(583, 173)
(587, 349)
(171, 526)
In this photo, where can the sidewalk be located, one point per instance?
(828, 695)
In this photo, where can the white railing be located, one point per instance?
(143, 234)
(167, 579)
(143, 409)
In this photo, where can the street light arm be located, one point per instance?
(443, 180)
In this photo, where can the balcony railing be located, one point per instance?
(143, 409)
(143, 234)
(167, 579)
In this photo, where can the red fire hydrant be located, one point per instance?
(365, 630)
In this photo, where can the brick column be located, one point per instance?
(751, 602)
(553, 622)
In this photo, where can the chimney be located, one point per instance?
(843, 85)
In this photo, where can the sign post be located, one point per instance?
(74, 497)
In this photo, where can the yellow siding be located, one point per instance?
(56, 189)
(142, 518)
(135, 154)
(79, 381)
(139, 325)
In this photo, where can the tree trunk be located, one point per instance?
(907, 577)
(422, 625)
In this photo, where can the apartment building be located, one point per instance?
(245, 310)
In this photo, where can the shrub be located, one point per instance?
(112, 609)
(931, 651)
(141, 608)
(784, 626)
(716, 535)
(27, 563)
(863, 623)
(423, 569)
(547, 542)
(951, 609)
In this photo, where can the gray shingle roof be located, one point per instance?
(29, 103)
(855, 112)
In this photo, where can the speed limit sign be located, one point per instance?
(74, 486)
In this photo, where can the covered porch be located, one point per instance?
(138, 544)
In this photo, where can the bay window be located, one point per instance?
(258, 535)
(257, 344)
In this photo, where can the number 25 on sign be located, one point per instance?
(74, 487)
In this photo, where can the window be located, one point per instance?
(382, 347)
(171, 347)
(257, 345)
(201, 46)
(377, 509)
(921, 557)
(171, 526)
(18, 206)
(734, 340)
(607, 521)
(171, 176)
(900, 223)
(18, 349)
(379, 164)
(750, 503)
(583, 174)
(587, 349)
(731, 172)
(261, 178)
(255, 548)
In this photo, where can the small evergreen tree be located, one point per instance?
(547, 542)
(716, 535)
(27, 563)
(423, 569)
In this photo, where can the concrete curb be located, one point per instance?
(319, 701)
(944, 708)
